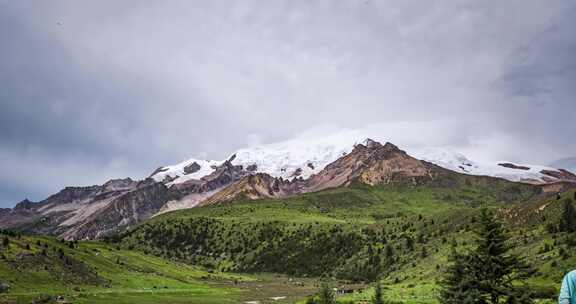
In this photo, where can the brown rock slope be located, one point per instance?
(90, 212)
(371, 163)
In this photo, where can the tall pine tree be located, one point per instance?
(377, 298)
(497, 268)
(568, 221)
(459, 285)
(487, 274)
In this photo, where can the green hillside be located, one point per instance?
(350, 237)
(41, 268)
(398, 233)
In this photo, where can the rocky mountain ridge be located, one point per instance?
(304, 158)
(95, 211)
(370, 163)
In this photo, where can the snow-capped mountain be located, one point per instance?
(305, 157)
(277, 170)
(283, 160)
(452, 160)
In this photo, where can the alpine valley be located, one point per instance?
(270, 223)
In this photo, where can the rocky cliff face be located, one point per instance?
(145, 200)
(195, 191)
(95, 211)
(258, 186)
(560, 175)
(89, 212)
(369, 163)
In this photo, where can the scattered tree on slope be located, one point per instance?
(568, 221)
(489, 273)
(377, 298)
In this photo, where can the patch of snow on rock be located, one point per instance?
(449, 159)
(177, 174)
(300, 157)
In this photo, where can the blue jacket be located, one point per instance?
(568, 290)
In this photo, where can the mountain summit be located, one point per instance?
(304, 157)
(269, 171)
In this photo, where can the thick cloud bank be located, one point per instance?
(102, 89)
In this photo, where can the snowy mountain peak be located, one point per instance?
(277, 170)
(370, 143)
(304, 157)
(185, 171)
(458, 162)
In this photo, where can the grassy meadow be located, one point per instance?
(278, 251)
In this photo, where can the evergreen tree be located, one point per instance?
(459, 286)
(423, 252)
(326, 295)
(486, 274)
(389, 253)
(377, 298)
(496, 266)
(568, 222)
(409, 244)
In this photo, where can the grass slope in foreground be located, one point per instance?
(90, 272)
(399, 234)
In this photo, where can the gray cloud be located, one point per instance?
(104, 89)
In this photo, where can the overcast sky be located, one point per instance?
(93, 90)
